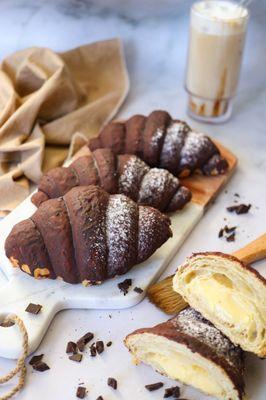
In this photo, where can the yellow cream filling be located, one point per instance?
(180, 367)
(221, 298)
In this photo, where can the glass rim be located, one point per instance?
(221, 20)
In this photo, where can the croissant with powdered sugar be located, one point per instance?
(162, 142)
(86, 236)
(124, 174)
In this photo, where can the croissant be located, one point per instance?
(162, 142)
(230, 294)
(125, 174)
(188, 348)
(86, 236)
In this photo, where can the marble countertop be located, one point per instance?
(155, 40)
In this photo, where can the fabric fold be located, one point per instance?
(48, 102)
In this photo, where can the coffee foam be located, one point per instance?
(219, 17)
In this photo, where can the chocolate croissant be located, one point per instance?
(124, 174)
(162, 142)
(230, 294)
(86, 236)
(188, 348)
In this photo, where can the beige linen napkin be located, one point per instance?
(50, 100)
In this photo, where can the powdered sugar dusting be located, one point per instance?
(174, 140)
(153, 231)
(121, 218)
(194, 324)
(195, 144)
(154, 185)
(158, 134)
(132, 175)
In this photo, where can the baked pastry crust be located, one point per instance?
(87, 236)
(229, 293)
(162, 142)
(190, 349)
(124, 174)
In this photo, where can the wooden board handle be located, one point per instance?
(254, 251)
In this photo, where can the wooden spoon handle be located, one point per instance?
(254, 251)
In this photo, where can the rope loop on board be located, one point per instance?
(20, 368)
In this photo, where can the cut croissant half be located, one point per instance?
(228, 293)
(188, 348)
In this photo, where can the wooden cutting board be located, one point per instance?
(20, 289)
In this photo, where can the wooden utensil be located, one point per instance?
(163, 296)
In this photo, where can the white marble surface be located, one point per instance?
(155, 38)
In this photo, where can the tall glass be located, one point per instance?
(217, 37)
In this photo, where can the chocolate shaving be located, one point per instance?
(138, 289)
(231, 238)
(112, 382)
(125, 285)
(240, 209)
(99, 346)
(81, 392)
(85, 339)
(76, 357)
(229, 230)
(71, 348)
(35, 359)
(33, 308)
(40, 366)
(154, 386)
(228, 233)
(172, 392)
(93, 350)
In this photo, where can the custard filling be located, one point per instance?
(180, 367)
(222, 299)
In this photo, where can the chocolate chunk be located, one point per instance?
(35, 359)
(76, 357)
(81, 392)
(109, 344)
(40, 366)
(125, 285)
(236, 194)
(172, 392)
(240, 209)
(154, 386)
(229, 230)
(99, 398)
(81, 345)
(33, 308)
(231, 238)
(85, 339)
(71, 347)
(112, 382)
(138, 289)
(99, 346)
(93, 350)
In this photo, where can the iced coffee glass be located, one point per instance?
(217, 37)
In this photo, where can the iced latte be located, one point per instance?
(217, 36)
